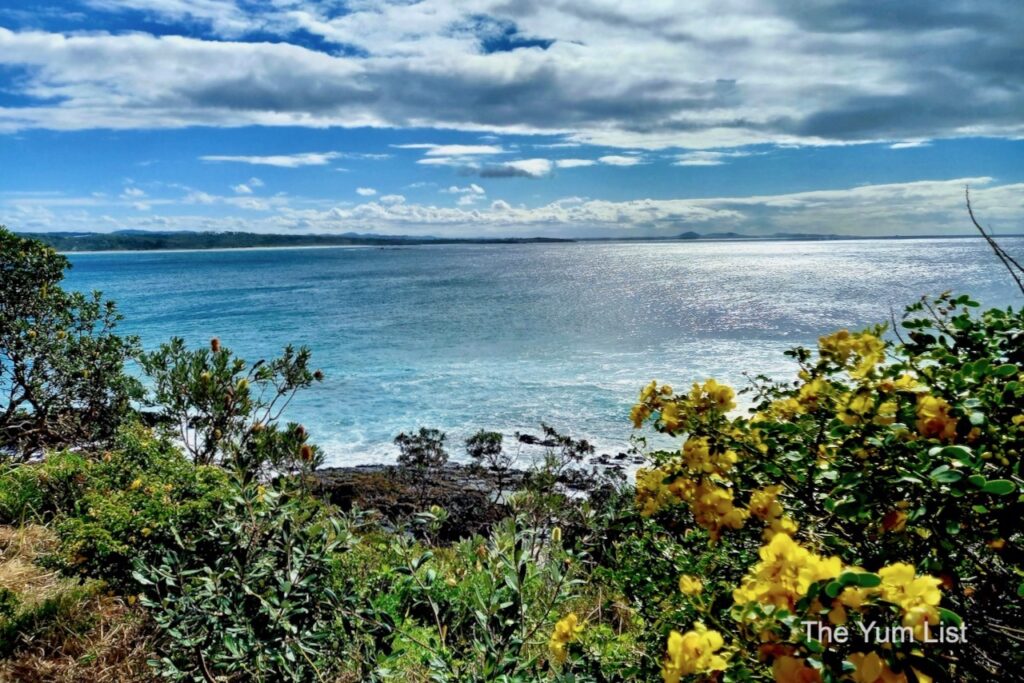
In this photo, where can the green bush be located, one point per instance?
(41, 490)
(249, 598)
(133, 501)
(225, 411)
(62, 379)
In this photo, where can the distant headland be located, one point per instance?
(145, 240)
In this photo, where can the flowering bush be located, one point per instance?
(897, 464)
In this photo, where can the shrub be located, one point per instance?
(249, 598)
(423, 450)
(485, 450)
(884, 491)
(226, 411)
(62, 380)
(128, 503)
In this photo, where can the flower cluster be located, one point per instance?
(933, 418)
(784, 574)
(694, 652)
(858, 352)
(764, 505)
(567, 629)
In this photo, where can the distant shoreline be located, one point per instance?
(101, 243)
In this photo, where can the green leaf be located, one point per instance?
(1007, 370)
(999, 487)
(944, 475)
(868, 580)
(950, 617)
(977, 480)
(141, 579)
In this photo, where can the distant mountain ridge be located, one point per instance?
(146, 240)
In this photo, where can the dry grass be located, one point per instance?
(68, 633)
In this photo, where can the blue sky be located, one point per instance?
(511, 117)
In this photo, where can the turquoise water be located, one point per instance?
(463, 337)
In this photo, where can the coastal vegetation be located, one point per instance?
(859, 523)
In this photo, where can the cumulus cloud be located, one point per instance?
(365, 191)
(279, 160)
(695, 75)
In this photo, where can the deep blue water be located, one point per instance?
(501, 337)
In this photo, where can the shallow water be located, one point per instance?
(463, 337)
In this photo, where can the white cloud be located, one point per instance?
(534, 168)
(453, 150)
(910, 144)
(574, 163)
(365, 191)
(472, 188)
(915, 208)
(706, 158)
(696, 75)
(241, 188)
(620, 160)
(131, 192)
(255, 182)
(279, 160)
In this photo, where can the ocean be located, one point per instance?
(503, 337)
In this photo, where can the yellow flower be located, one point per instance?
(670, 416)
(870, 668)
(690, 585)
(933, 419)
(135, 485)
(784, 574)
(714, 510)
(639, 415)
(763, 503)
(692, 653)
(918, 596)
(788, 669)
(713, 395)
(811, 392)
(567, 629)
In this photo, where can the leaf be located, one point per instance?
(999, 487)
(1007, 370)
(977, 480)
(141, 579)
(868, 580)
(950, 617)
(944, 475)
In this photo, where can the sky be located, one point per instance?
(521, 118)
